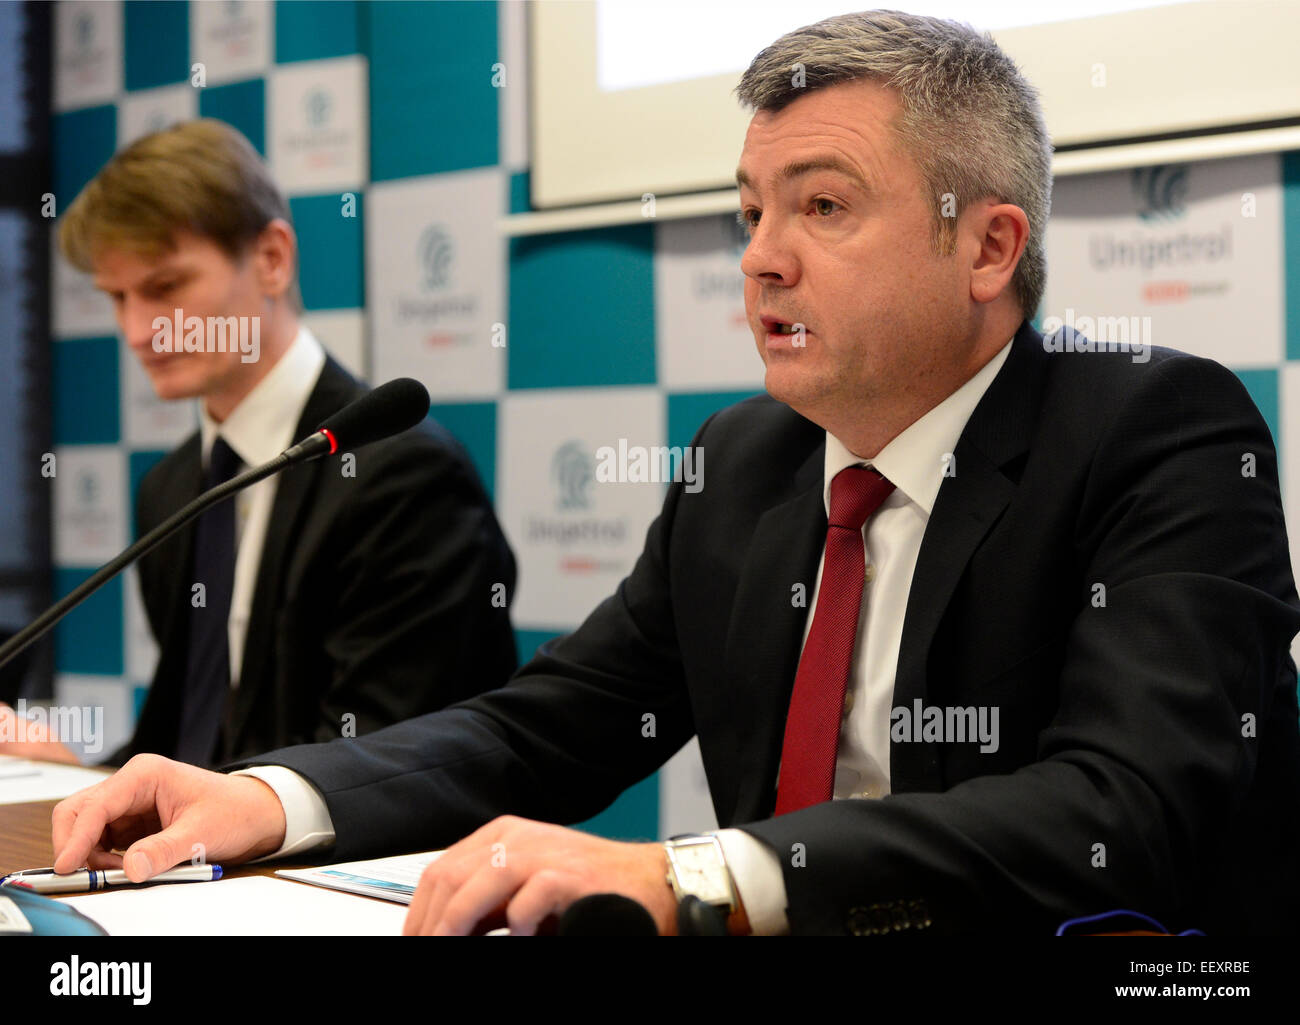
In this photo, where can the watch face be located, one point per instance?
(701, 873)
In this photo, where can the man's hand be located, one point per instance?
(35, 742)
(164, 810)
(517, 872)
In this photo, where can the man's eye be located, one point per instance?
(743, 219)
(829, 202)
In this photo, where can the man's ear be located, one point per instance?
(1001, 232)
(276, 258)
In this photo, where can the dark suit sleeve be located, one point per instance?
(591, 714)
(1167, 697)
(421, 577)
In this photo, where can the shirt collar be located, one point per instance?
(262, 425)
(914, 460)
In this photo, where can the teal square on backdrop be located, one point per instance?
(1291, 249)
(84, 374)
(331, 253)
(432, 103)
(582, 308)
(688, 411)
(1262, 385)
(474, 425)
(528, 641)
(81, 141)
(634, 815)
(240, 104)
(316, 29)
(520, 197)
(138, 464)
(157, 43)
(89, 640)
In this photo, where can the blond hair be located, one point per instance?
(969, 119)
(199, 176)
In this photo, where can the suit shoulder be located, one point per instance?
(1107, 378)
(427, 457)
(761, 425)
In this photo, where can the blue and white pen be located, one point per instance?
(45, 880)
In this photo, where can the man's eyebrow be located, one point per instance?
(152, 277)
(801, 167)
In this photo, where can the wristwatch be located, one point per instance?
(697, 867)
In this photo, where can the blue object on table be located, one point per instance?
(49, 917)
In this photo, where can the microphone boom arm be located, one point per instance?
(314, 445)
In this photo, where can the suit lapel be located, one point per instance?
(968, 504)
(166, 578)
(766, 631)
(334, 389)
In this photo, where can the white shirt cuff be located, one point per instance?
(307, 822)
(756, 871)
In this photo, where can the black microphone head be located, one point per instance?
(607, 914)
(389, 409)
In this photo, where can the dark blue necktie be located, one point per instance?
(207, 674)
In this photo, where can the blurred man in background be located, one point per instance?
(343, 595)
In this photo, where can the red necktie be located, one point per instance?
(812, 729)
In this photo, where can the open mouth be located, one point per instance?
(779, 327)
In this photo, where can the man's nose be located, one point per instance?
(769, 258)
(136, 318)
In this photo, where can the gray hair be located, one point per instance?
(970, 120)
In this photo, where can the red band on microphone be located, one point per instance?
(334, 442)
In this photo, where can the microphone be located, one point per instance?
(606, 914)
(387, 410)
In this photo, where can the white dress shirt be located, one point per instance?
(916, 461)
(259, 429)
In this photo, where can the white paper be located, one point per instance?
(248, 906)
(22, 780)
(386, 878)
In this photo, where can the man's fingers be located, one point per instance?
(62, 818)
(157, 853)
(431, 897)
(486, 891)
(548, 892)
(82, 837)
(123, 793)
(103, 859)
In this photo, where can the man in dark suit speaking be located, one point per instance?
(338, 597)
(974, 633)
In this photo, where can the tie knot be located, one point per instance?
(223, 463)
(856, 492)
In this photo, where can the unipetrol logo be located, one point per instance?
(83, 29)
(1161, 192)
(87, 487)
(573, 474)
(435, 255)
(317, 104)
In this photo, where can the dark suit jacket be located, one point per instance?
(374, 595)
(1148, 758)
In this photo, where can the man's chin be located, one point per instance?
(792, 386)
(171, 386)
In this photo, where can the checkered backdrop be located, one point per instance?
(398, 129)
